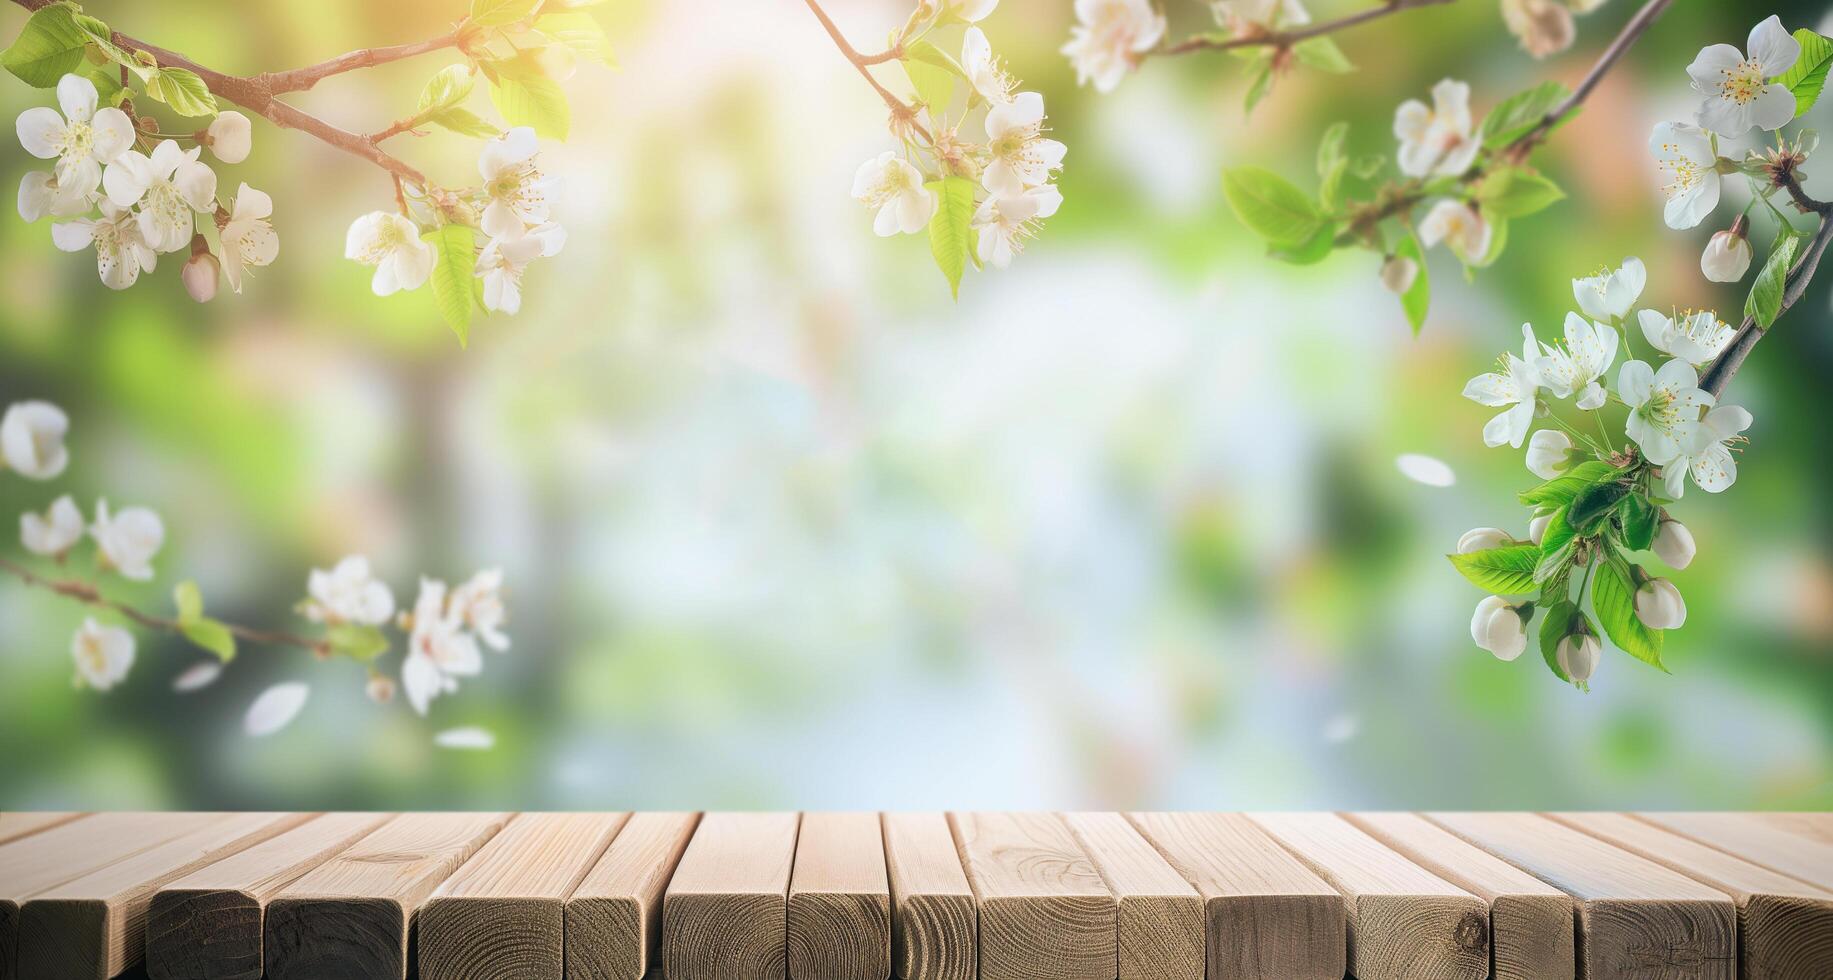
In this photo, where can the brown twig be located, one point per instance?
(301, 79)
(900, 109)
(89, 595)
(1719, 374)
(1288, 38)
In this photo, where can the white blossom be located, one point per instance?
(1483, 539)
(1740, 91)
(249, 240)
(348, 593)
(103, 654)
(895, 189)
(519, 193)
(1108, 38)
(971, 11)
(41, 193)
(1577, 655)
(1005, 222)
(1498, 627)
(121, 250)
(1516, 386)
(1708, 454)
(1544, 27)
(1461, 227)
(1659, 605)
(275, 709)
(1548, 452)
(54, 532)
(230, 136)
(1437, 141)
(1674, 544)
(128, 541)
(1726, 258)
(392, 244)
(1021, 156)
(83, 139)
(32, 439)
(1664, 407)
(478, 605)
(1270, 15)
(439, 651)
(1689, 168)
(501, 262)
(1574, 368)
(1609, 294)
(1696, 336)
(982, 69)
(170, 187)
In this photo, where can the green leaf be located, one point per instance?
(1508, 570)
(205, 633)
(1521, 112)
(449, 87)
(580, 31)
(1809, 73)
(951, 228)
(1562, 489)
(500, 13)
(359, 643)
(464, 122)
(182, 90)
(1765, 299)
(1498, 240)
(1639, 519)
(1553, 628)
(1332, 164)
(929, 54)
(454, 266)
(1258, 88)
(1418, 296)
(1594, 503)
(1270, 205)
(1311, 251)
(1554, 539)
(189, 600)
(1613, 598)
(934, 84)
(1517, 193)
(48, 47)
(527, 97)
(1323, 54)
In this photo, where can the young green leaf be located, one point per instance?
(1514, 116)
(1311, 251)
(951, 232)
(1270, 205)
(929, 54)
(1639, 519)
(463, 121)
(450, 86)
(1592, 504)
(1517, 193)
(48, 47)
(1613, 598)
(1562, 489)
(1323, 54)
(1555, 536)
(182, 90)
(527, 97)
(454, 266)
(580, 31)
(1259, 87)
(189, 600)
(1553, 628)
(359, 643)
(1332, 164)
(193, 625)
(1809, 73)
(934, 86)
(501, 13)
(1765, 299)
(1418, 297)
(1507, 570)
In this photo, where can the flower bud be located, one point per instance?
(230, 136)
(1483, 539)
(381, 688)
(1398, 273)
(1544, 27)
(1727, 255)
(1674, 544)
(1537, 528)
(1499, 628)
(1659, 606)
(1577, 655)
(199, 275)
(1548, 452)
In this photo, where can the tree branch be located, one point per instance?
(1726, 366)
(1288, 38)
(89, 595)
(900, 110)
(301, 79)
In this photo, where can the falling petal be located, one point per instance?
(201, 675)
(275, 708)
(469, 738)
(1431, 471)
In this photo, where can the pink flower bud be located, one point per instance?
(199, 275)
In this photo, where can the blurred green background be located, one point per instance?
(783, 526)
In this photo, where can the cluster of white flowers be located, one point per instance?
(1441, 140)
(444, 631)
(1110, 35)
(133, 206)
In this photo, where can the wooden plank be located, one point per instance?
(840, 900)
(350, 916)
(1785, 926)
(1530, 921)
(614, 917)
(501, 916)
(725, 913)
(1813, 826)
(1741, 835)
(1045, 913)
(208, 924)
(1268, 916)
(1159, 916)
(934, 927)
(95, 926)
(1636, 918)
(19, 824)
(1404, 921)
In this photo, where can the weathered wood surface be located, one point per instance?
(1530, 921)
(934, 924)
(840, 899)
(1045, 913)
(1743, 835)
(1637, 919)
(1160, 916)
(614, 917)
(725, 914)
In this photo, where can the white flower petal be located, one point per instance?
(275, 708)
(1429, 470)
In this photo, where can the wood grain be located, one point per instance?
(349, 918)
(1530, 921)
(1404, 921)
(1785, 926)
(502, 915)
(95, 926)
(208, 924)
(1741, 835)
(31, 865)
(19, 824)
(1045, 913)
(1813, 826)
(1268, 916)
(725, 913)
(1159, 916)
(840, 900)
(614, 917)
(1637, 920)
(934, 927)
